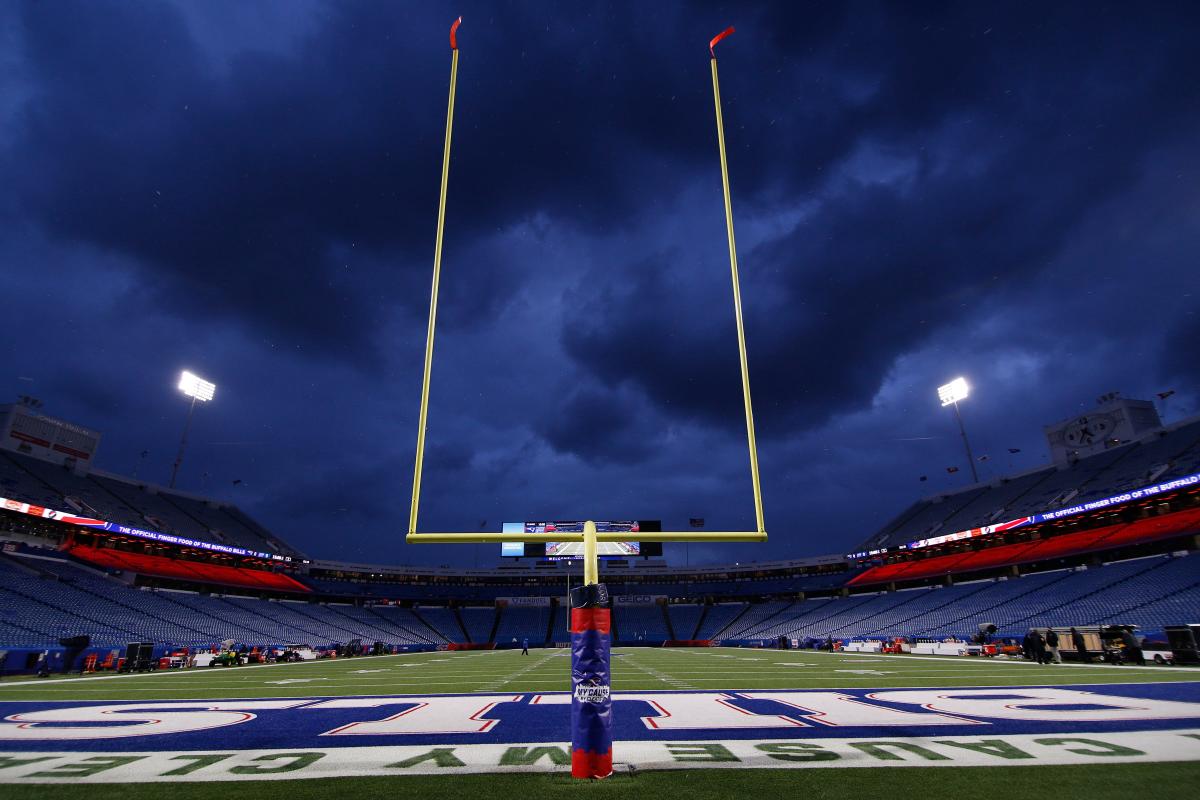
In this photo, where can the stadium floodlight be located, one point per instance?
(950, 393)
(954, 391)
(198, 389)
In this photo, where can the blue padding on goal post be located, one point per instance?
(591, 701)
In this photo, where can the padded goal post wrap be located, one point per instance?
(591, 693)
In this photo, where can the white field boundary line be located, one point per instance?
(555, 684)
(484, 678)
(990, 661)
(731, 690)
(873, 681)
(662, 677)
(502, 681)
(903, 657)
(324, 662)
(948, 665)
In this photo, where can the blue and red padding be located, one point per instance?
(591, 693)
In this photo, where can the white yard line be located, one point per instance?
(500, 682)
(773, 656)
(988, 661)
(666, 678)
(327, 662)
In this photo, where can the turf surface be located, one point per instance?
(633, 669)
(549, 671)
(1161, 781)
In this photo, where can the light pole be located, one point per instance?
(199, 390)
(950, 394)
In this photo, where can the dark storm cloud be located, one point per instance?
(249, 191)
(996, 183)
(599, 426)
(1179, 353)
(292, 190)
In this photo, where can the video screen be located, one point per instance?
(556, 550)
(571, 550)
(575, 549)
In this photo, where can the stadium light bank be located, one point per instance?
(199, 390)
(950, 393)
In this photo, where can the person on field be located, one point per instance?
(525, 646)
(1080, 645)
(1053, 656)
(1133, 648)
(1039, 646)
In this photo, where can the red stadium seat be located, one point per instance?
(187, 570)
(1105, 538)
(1149, 530)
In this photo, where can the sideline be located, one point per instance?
(987, 660)
(207, 671)
(905, 657)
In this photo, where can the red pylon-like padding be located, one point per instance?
(591, 701)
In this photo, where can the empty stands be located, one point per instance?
(1159, 457)
(478, 623)
(641, 623)
(685, 619)
(720, 616)
(441, 619)
(115, 499)
(193, 571)
(523, 622)
(43, 599)
(1056, 547)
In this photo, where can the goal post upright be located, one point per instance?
(757, 535)
(737, 288)
(423, 415)
(591, 621)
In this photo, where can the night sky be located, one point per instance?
(249, 190)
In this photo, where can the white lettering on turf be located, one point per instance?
(133, 719)
(1041, 705)
(901, 751)
(426, 715)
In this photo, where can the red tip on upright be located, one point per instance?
(454, 33)
(717, 39)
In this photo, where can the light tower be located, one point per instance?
(200, 390)
(950, 394)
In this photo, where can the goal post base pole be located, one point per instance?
(591, 668)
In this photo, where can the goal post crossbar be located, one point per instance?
(588, 537)
(577, 536)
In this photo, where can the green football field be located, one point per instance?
(549, 671)
(707, 669)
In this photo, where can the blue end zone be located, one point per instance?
(797, 715)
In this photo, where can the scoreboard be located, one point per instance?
(572, 550)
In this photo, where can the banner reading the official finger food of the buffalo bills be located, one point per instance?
(591, 701)
(67, 517)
